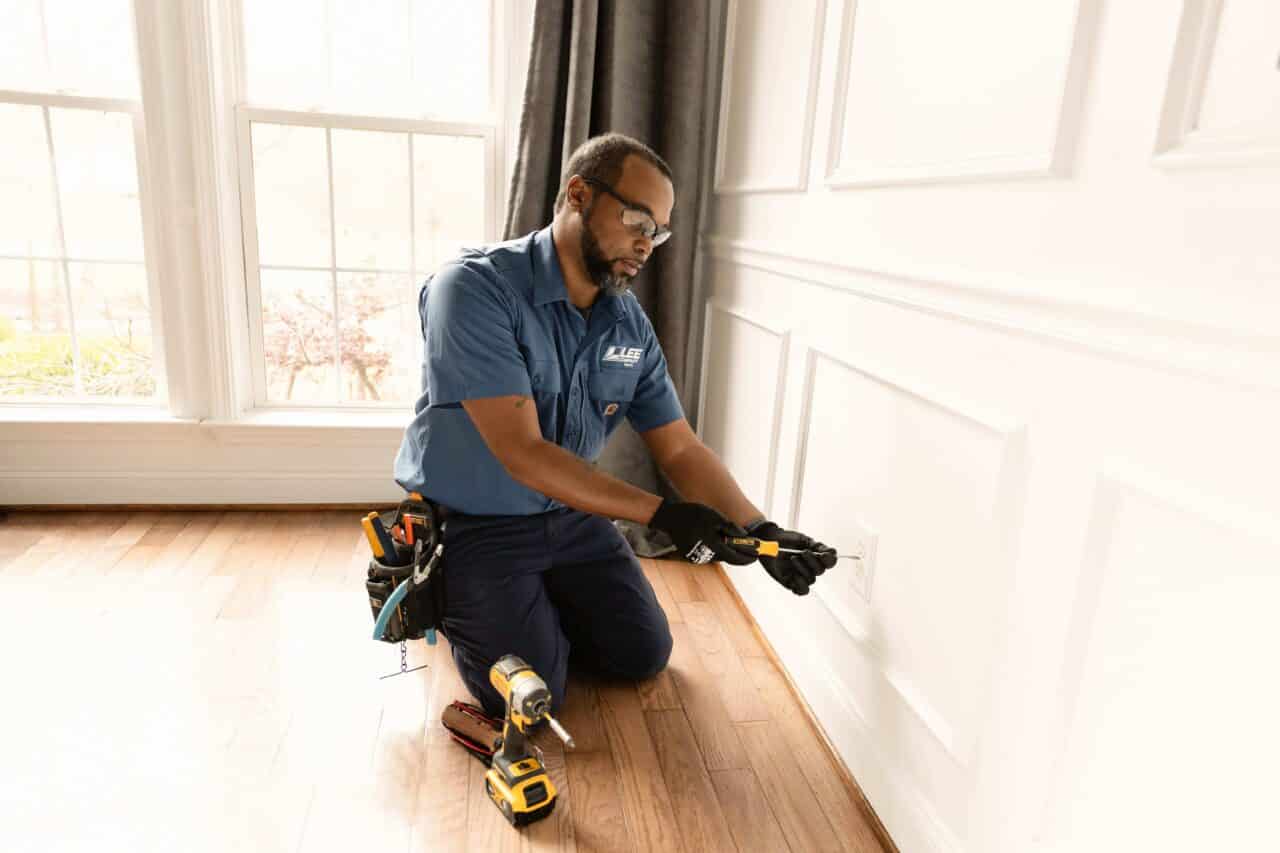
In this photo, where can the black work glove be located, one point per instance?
(796, 572)
(698, 532)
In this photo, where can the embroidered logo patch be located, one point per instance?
(626, 356)
(610, 409)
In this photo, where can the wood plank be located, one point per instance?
(659, 692)
(698, 814)
(849, 813)
(679, 576)
(731, 612)
(555, 832)
(646, 803)
(721, 748)
(752, 822)
(654, 575)
(599, 824)
(439, 819)
(581, 714)
(741, 699)
(785, 789)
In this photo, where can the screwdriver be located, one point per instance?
(769, 548)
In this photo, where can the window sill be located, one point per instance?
(295, 427)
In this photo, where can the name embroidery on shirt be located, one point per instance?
(626, 356)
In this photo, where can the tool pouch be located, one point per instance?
(423, 607)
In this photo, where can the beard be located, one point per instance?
(599, 267)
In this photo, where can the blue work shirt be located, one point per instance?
(498, 321)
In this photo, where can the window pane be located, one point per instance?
(113, 323)
(371, 199)
(297, 335)
(371, 57)
(291, 187)
(28, 221)
(451, 56)
(449, 194)
(76, 47)
(35, 332)
(285, 53)
(91, 46)
(392, 57)
(98, 184)
(381, 345)
(22, 57)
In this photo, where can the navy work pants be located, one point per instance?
(544, 587)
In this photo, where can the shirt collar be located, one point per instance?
(548, 279)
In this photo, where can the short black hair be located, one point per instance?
(601, 158)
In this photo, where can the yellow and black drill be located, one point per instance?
(517, 780)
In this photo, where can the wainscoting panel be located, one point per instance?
(928, 91)
(1222, 104)
(1170, 674)
(765, 130)
(744, 368)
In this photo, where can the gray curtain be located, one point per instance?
(649, 69)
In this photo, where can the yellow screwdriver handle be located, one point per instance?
(762, 547)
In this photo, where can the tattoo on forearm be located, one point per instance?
(520, 403)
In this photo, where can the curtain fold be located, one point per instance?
(651, 70)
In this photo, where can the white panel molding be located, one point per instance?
(1119, 480)
(1179, 143)
(958, 740)
(800, 181)
(1238, 358)
(1054, 160)
(784, 346)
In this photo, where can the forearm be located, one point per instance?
(699, 475)
(570, 479)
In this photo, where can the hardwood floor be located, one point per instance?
(206, 681)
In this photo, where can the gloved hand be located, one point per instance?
(796, 572)
(698, 532)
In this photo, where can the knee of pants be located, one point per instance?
(646, 659)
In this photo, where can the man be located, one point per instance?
(534, 351)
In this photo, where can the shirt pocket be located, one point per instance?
(612, 390)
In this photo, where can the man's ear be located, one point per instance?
(578, 194)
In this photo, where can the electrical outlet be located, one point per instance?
(862, 546)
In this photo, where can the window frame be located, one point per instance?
(493, 129)
(150, 261)
(245, 117)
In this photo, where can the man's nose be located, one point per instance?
(644, 247)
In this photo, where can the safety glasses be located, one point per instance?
(635, 217)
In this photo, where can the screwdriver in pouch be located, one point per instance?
(770, 548)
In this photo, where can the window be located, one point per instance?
(368, 156)
(76, 295)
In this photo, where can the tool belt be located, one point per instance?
(416, 559)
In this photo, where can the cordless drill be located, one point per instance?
(517, 780)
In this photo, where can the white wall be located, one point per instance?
(995, 284)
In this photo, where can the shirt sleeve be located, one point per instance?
(655, 403)
(470, 330)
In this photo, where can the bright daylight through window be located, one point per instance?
(371, 149)
(75, 295)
